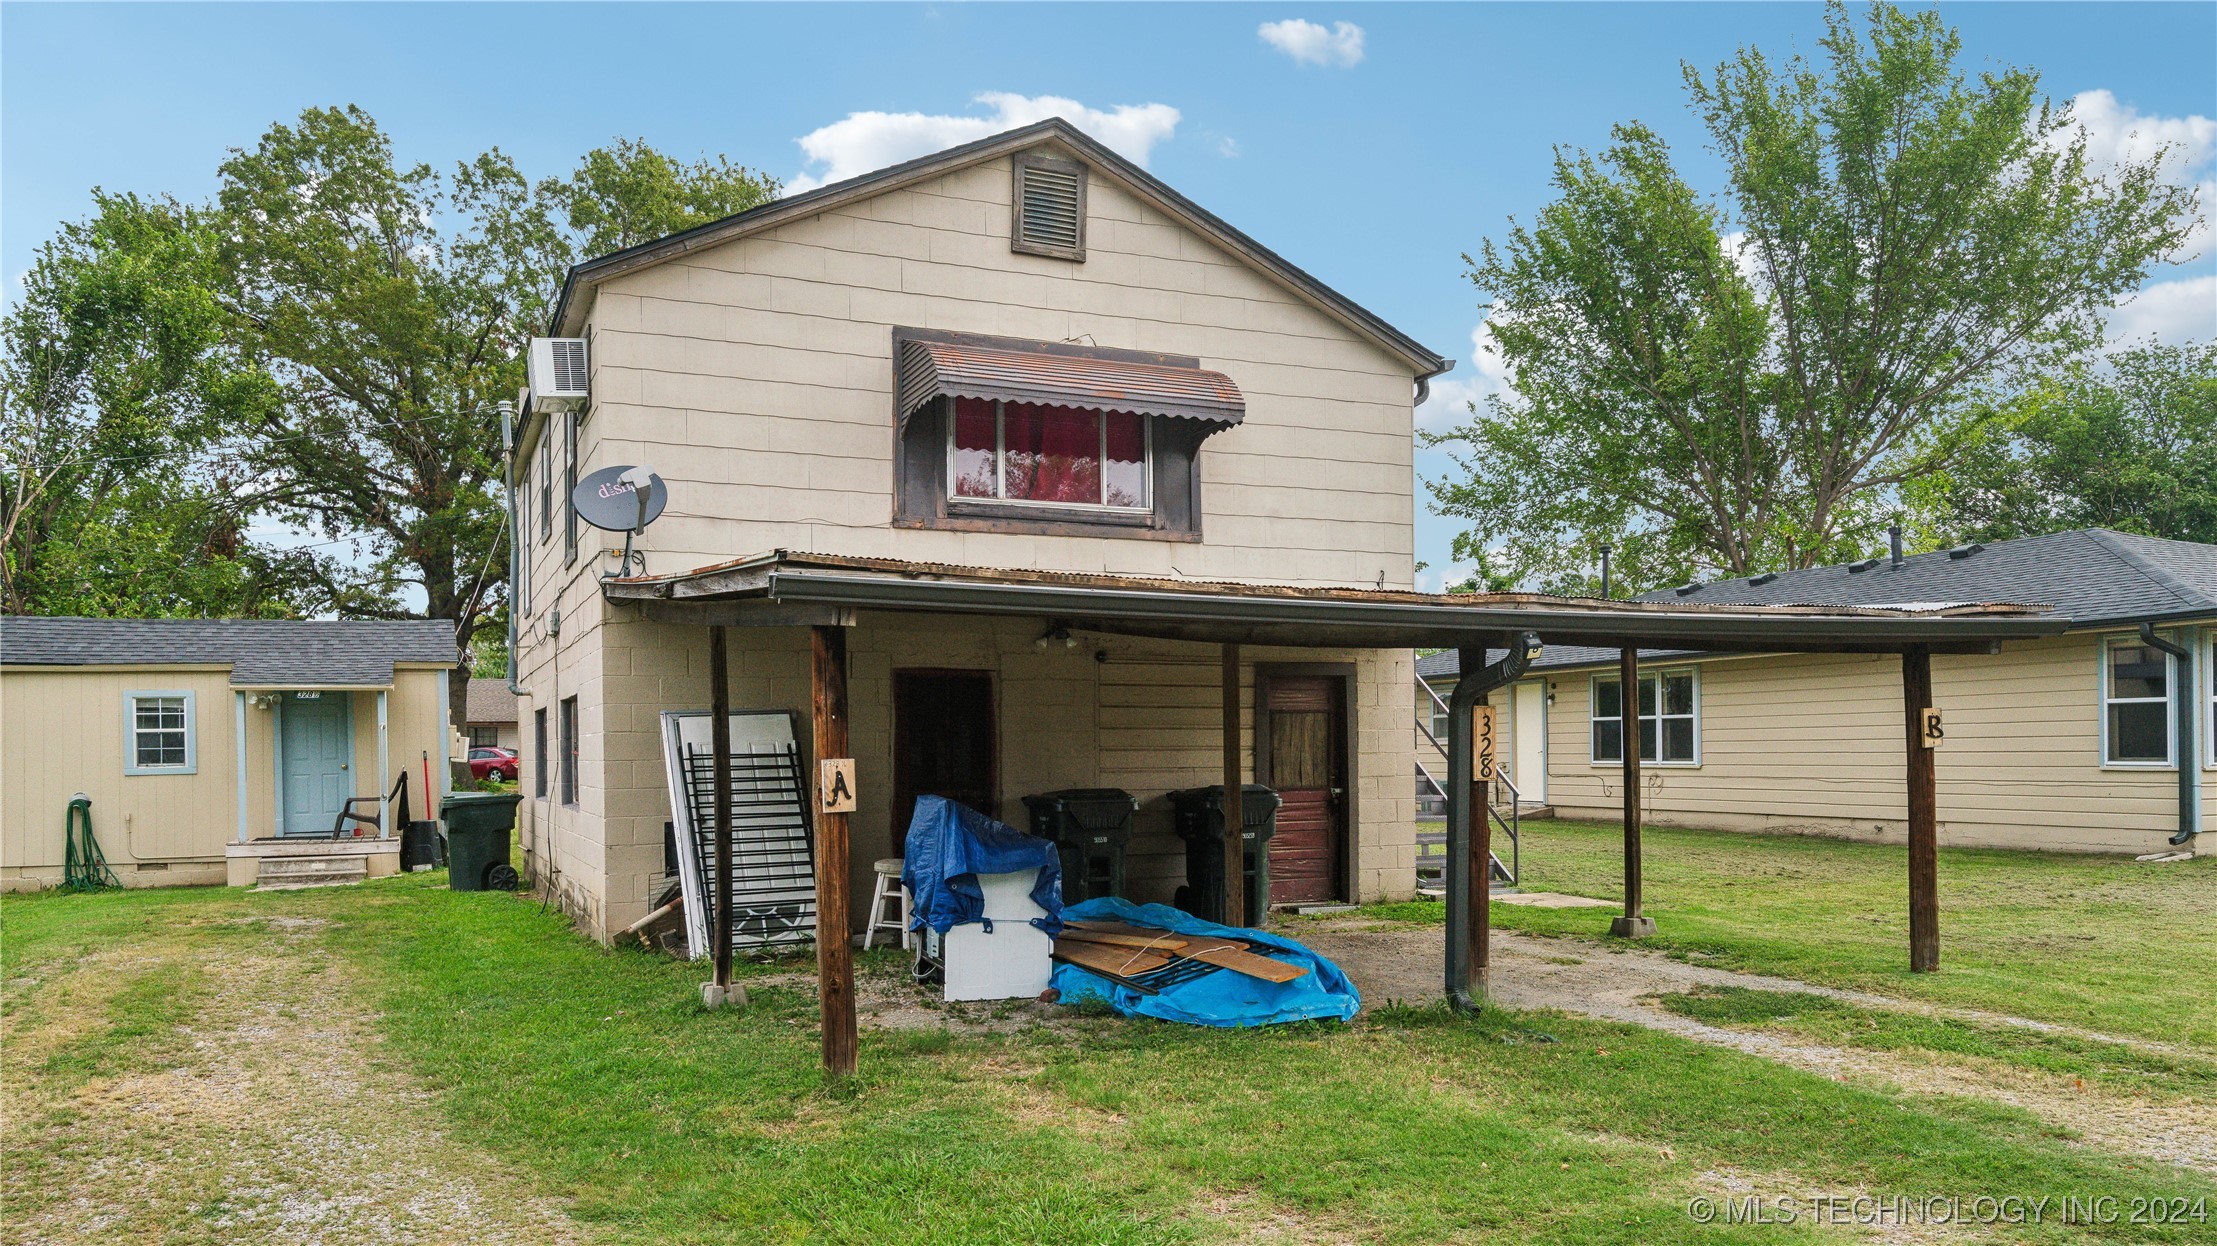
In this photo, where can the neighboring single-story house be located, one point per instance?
(211, 746)
(2070, 743)
(492, 716)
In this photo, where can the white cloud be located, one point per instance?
(1453, 394)
(2116, 133)
(1436, 579)
(1228, 147)
(1310, 44)
(864, 142)
(2178, 311)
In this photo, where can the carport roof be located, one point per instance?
(1300, 615)
(262, 653)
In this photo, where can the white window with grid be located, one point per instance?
(158, 735)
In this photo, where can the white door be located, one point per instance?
(1530, 729)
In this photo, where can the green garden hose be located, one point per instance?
(84, 867)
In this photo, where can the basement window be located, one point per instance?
(2136, 704)
(1032, 455)
(158, 733)
(1669, 718)
(1049, 208)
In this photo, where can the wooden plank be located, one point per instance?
(1164, 941)
(1114, 961)
(719, 717)
(1239, 960)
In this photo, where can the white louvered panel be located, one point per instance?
(1051, 208)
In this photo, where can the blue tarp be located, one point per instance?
(1222, 998)
(949, 845)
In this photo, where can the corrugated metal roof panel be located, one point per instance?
(931, 370)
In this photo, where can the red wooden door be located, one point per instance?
(1307, 766)
(943, 743)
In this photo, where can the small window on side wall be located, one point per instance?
(158, 733)
(1669, 719)
(569, 750)
(2136, 704)
(539, 753)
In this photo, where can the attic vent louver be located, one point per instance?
(1049, 207)
(1687, 590)
(1961, 552)
(1760, 580)
(1856, 568)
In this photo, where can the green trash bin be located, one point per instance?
(1198, 815)
(477, 827)
(1089, 827)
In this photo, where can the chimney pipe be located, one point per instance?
(1605, 596)
(1893, 537)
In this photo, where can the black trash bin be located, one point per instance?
(1090, 827)
(477, 827)
(1198, 814)
(419, 845)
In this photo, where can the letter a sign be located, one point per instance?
(835, 785)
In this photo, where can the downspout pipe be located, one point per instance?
(1462, 704)
(515, 543)
(2185, 711)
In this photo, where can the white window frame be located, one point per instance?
(131, 731)
(2170, 706)
(1593, 703)
(2209, 703)
(1000, 467)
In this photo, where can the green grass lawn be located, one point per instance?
(596, 1075)
(2104, 943)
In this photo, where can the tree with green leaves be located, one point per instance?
(2129, 443)
(1744, 383)
(628, 193)
(118, 390)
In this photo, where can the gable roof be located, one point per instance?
(490, 701)
(2093, 577)
(262, 653)
(569, 310)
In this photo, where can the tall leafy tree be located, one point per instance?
(2130, 443)
(627, 193)
(118, 388)
(1746, 382)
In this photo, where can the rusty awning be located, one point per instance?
(1065, 377)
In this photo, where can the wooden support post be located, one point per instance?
(1634, 924)
(834, 953)
(1924, 815)
(1468, 938)
(1480, 937)
(1235, 814)
(719, 736)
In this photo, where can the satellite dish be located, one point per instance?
(621, 498)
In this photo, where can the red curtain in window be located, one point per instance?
(976, 444)
(1054, 453)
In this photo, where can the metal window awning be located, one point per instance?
(1169, 387)
(792, 587)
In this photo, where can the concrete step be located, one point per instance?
(311, 871)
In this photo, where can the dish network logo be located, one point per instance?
(616, 488)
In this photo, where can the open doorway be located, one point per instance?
(943, 743)
(1301, 750)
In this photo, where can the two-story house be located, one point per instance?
(1023, 353)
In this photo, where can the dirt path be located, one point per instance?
(1618, 984)
(262, 1112)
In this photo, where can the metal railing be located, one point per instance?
(1511, 824)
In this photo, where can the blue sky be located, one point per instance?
(1373, 156)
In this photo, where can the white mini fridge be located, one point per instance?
(1013, 959)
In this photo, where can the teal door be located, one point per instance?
(316, 756)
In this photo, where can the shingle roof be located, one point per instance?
(262, 653)
(2091, 576)
(490, 702)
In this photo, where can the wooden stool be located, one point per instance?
(888, 888)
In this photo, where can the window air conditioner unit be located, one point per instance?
(556, 371)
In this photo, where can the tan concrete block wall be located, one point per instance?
(1146, 720)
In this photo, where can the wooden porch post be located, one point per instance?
(1634, 924)
(719, 735)
(834, 954)
(1924, 811)
(1235, 824)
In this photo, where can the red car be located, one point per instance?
(497, 764)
